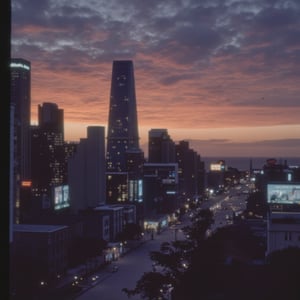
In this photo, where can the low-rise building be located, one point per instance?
(116, 219)
(40, 252)
(283, 230)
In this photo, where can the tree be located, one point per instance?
(173, 260)
(152, 286)
(256, 205)
(287, 257)
(283, 274)
(201, 222)
(169, 265)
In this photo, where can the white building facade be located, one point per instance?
(283, 230)
(86, 171)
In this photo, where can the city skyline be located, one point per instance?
(220, 74)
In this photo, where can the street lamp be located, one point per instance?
(42, 283)
(175, 234)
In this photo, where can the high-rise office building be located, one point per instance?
(51, 120)
(48, 155)
(161, 188)
(161, 147)
(87, 171)
(21, 101)
(191, 170)
(122, 136)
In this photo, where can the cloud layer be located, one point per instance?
(198, 64)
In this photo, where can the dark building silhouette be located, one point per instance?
(161, 188)
(51, 121)
(160, 176)
(191, 171)
(49, 156)
(41, 254)
(122, 136)
(161, 147)
(20, 105)
(274, 172)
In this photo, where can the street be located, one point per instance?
(226, 206)
(131, 267)
(108, 285)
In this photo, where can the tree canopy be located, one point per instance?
(198, 267)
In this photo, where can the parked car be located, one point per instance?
(114, 268)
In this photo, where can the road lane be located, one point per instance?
(137, 261)
(131, 268)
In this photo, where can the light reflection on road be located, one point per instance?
(131, 267)
(225, 207)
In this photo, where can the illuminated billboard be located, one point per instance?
(283, 193)
(61, 197)
(135, 190)
(217, 167)
(26, 183)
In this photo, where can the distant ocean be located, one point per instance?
(243, 163)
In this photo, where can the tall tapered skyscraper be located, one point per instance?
(122, 136)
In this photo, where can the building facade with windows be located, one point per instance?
(283, 230)
(123, 156)
(48, 156)
(40, 257)
(21, 106)
(161, 147)
(86, 171)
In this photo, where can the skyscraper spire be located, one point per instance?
(122, 136)
(122, 122)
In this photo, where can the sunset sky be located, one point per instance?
(223, 74)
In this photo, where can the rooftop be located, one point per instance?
(37, 228)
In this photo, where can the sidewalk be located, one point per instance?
(83, 277)
(80, 272)
(133, 265)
